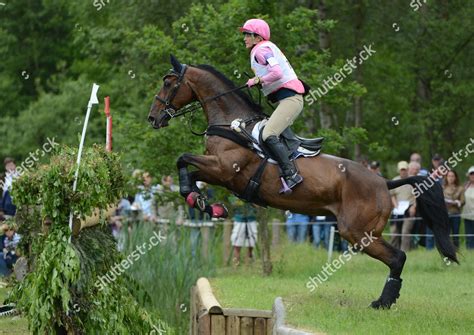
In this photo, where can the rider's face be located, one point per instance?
(250, 40)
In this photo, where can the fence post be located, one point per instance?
(264, 237)
(331, 243)
(276, 230)
(205, 242)
(226, 242)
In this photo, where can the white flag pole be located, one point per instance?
(92, 101)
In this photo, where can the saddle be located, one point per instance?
(293, 142)
(298, 146)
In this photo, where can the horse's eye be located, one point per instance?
(167, 83)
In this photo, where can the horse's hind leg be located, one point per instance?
(372, 243)
(368, 237)
(395, 260)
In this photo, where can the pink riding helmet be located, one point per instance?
(257, 26)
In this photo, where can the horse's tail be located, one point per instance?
(432, 208)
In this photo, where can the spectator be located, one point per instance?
(297, 226)
(410, 212)
(145, 198)
(10, 244)
(167, 184)
(7, 204)
(3, 264)
(244, 232)
(322, 230)
(364, 161)
(375, 168)
(122, 212)
(436, 172)
(317, 229)
(468, 210)
(197, 217)
(402, 198)
(454, 198)
(2, 183)
(416, 157)
(169, 194)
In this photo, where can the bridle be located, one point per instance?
(172, 110)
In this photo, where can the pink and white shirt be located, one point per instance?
(273, 68)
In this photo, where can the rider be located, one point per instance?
(280, 84)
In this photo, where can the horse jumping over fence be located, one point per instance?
(359, 199)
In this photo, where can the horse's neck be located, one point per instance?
(225, 109)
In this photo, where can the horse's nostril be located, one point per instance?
(151, 119)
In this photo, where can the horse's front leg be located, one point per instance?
(208, 168)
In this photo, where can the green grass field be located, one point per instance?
(12, 325)
(435, 298)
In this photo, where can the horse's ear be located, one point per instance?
(176, 64)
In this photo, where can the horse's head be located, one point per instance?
(174, 94)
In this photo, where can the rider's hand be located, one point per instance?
(253, 81)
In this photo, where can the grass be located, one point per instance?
(12, 325)
(435, 298)
(166, 273)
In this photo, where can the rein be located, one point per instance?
(174, 112)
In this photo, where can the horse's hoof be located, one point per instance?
(378, 304)
(195, 199)
(219, 211)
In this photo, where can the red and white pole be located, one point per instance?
(108, 139)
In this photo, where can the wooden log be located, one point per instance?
(252, 313)
(217, 324)
(78, 224)
(232, 325)
(259, 326)
(269, 326)
(204, 324)
(246, 326)
(207, 298)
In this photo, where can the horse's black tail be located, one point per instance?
(432, 208)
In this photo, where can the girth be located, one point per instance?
(250, 193)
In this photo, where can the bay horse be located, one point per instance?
(357, 197)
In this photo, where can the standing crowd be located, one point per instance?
(156, 203)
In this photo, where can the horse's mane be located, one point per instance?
(230, 84)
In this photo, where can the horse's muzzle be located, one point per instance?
(160, 122)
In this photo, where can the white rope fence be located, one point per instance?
(213, 222)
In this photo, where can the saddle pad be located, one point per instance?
(300, 152)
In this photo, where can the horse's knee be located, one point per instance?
(182, 161)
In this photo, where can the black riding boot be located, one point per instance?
(280, 153)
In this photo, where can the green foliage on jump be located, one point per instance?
(61, 288)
